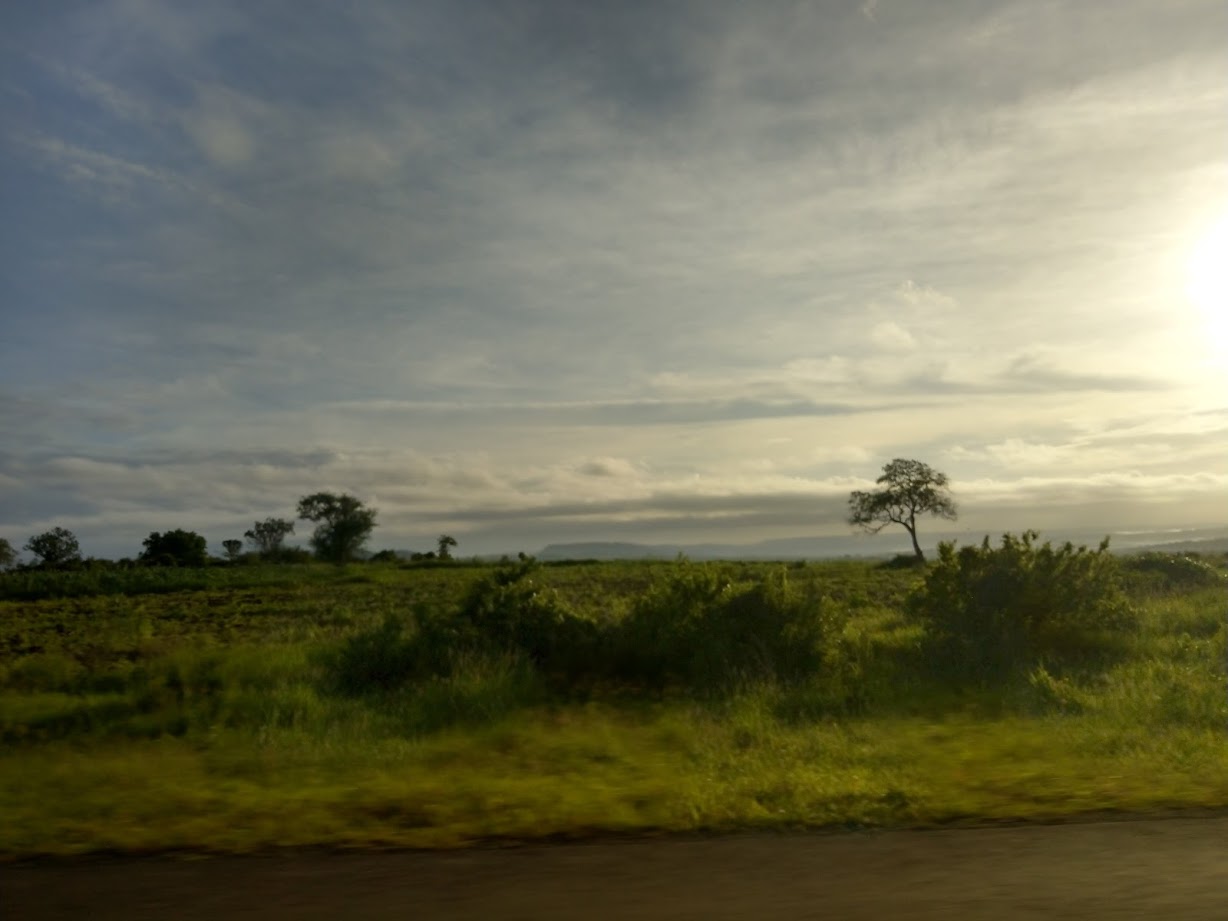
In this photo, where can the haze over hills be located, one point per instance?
(886, 544)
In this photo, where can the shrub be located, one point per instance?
(1170, 572)
(992, 609)
(506, 617)
(904, 561)
(509, 612)
(283, 555)
(698, 629)
(374, 660)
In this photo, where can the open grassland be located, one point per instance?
(383, 705)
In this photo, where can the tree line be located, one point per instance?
(343, 525)
(909, 489)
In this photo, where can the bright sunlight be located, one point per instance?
(1207, 281)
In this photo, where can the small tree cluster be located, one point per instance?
(343, 525)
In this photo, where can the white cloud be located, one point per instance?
(100, 169)
(923, 296)
(118, 101)
(892, 337)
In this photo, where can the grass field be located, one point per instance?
(255, 707)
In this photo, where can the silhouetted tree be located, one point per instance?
(8, 556)
(343, 524)
(267, 536)
(909, 489)
(175, 548)
(446, 542)
(233, 548)
(55, 547)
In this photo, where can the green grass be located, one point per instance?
(589, 769)
(210, 720)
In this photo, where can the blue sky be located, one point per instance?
(535, 271)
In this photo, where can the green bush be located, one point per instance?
(376, 660)
(506, 617)
(990, 610)
(1168, 572)
(697, 628)
(299, 556)
(904, 561)
(510, 612)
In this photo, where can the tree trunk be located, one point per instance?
(916, 547)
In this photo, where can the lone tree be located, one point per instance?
(55, 547)
(343, 524)
(175, 548)
(446, 543)
(8, 556)
(233, 548)
(909, 488)
(267, 536)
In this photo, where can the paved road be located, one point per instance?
(1169, 868)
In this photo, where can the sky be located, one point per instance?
(528, 272)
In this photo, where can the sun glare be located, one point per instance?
(1206, 282)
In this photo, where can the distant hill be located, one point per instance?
(601, 550)
(802, 548)
(1207, 545)
(885, 545)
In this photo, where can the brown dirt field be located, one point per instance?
(1173, 868)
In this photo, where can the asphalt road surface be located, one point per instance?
(1174, 868)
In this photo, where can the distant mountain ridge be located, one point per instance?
(811, 548)
(1189, 540)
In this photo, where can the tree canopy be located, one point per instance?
(55, 547)
(343, 524)
(267, 536)
(175, 548)
(910, 489)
